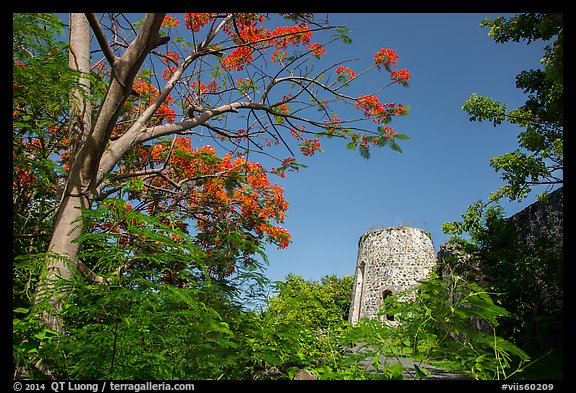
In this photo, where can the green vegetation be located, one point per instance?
(155, 302)
(140, 325)
(437, 324)
(528, 281)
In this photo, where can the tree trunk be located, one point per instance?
(79, 60)
(61, 260)
(68, 224)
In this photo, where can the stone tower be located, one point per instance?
(390, 260)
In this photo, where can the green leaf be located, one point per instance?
(21, 310)
(421, 373)
(396, 371)
(343, 34)
(382, 141)
(394, 146)
(481, 108)
(376, 361)
(135, 184)
(45, 333)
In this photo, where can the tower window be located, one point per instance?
(385, 294)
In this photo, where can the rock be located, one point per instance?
(267, 373)
(302, 374)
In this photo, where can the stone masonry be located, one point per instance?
(542, 219)
(390, 260)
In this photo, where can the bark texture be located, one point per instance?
(68, 224)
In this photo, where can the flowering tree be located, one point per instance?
(132, 138)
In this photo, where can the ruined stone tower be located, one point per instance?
(390, 260)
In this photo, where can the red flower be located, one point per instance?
(389, 132)
(172, 55)
(400, 76)
(347, 71)
(197, 20)
(399, 110)
(317, 49)
(386, 57)
(288, 160)
(170, 22)
(371, 107)
(291, 35)
(237, 59)
(309, 146)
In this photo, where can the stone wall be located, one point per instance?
(390, 260)
(542, 219)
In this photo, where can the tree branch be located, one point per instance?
(139, 133)
(101, 38)
(96, 278)
(90, 274)
(167, 129)
(25, 235)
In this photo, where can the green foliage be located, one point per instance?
(518, 170)
(343, 34)
(436, 324)
(38, 55)
(157, 311)
(475, 222)
(38, 107)
(317, 305)
(28, 335)
(161, 332)
(545, 87)
(316, 313)
(510, 269)
(525, 277)
(485, 108)
(153, 304)
(140, 326)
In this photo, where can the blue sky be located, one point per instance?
(444, 167)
